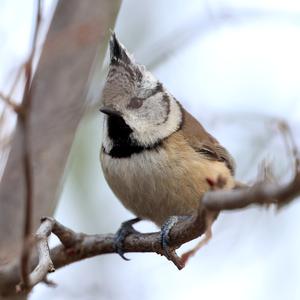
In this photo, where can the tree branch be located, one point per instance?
(260, 194)
(77, 246)
(45, 265)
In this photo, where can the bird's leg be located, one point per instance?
(125, 230)
(168, 252)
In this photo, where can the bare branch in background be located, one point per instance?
(10, 103)
(24, 119)
(290, 143)
(8, 98)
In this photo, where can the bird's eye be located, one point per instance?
(135, 102)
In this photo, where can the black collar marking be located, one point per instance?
(119, 132)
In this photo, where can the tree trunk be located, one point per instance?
(59, 87)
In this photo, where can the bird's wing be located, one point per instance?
(201, 141)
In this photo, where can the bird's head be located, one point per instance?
(134, 96)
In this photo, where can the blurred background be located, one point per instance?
(234, 65)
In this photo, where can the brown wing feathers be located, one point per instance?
(201, 141)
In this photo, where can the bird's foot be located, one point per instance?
(169, 252)
(125, 230)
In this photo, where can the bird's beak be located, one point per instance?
(110, 111)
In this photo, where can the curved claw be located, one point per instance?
(119, 241)
(125, 230)
(121, 253)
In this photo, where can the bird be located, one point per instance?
(156, 157)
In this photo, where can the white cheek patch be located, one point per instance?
(147, 134)
(154, 110)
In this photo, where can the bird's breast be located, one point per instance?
(168, 180)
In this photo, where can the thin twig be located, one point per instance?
(24, 120)
(16, 80)
(8, 98)
(10, 103)
(290, 143)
